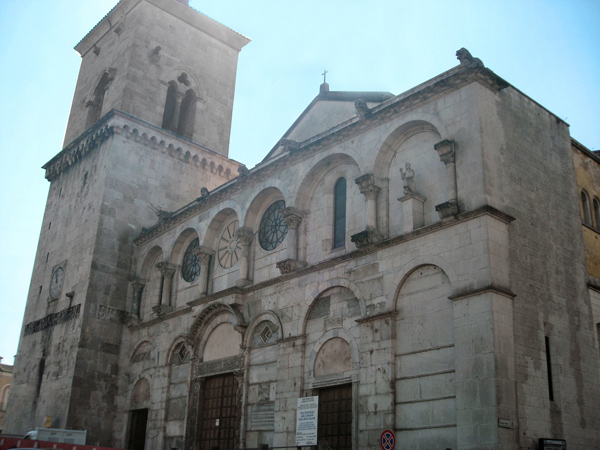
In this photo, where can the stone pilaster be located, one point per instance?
(371, 235)
(292, 218)
(288, 390)
(244, 236)
(377, 377)
(138, 289)
(447, 151)
(204, 255)
(167, 270)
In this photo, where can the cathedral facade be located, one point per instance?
(415, 261)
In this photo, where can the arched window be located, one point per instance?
(169, 118)
(95, 105)
(596, 213)
(585, 209)
(339, 213)
(187, 115)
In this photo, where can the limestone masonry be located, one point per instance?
(426, 263)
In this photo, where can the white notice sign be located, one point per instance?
(306, 421)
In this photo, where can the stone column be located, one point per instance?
(366, 184)
(447, 150)
(244, 236)
(138, 289)
(203, 254)
(167, 270)
(292, 218)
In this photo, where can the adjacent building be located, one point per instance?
(415, 261)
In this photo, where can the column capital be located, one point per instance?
(292, 216)
(203, 254)
(446, 150)
(167, 269)
(244, 236)
(136, 284)
(366, 185)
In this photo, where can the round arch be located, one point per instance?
(148, 263)
(420, 261)
(258, 205)
(314, 175)
(257, 320)
(335, 333)
(395, 140)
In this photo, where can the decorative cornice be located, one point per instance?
(359, 253)
(102, 130)
(87, 142)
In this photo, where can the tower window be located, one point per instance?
(187, 115)
(95, 105)
(596, 213)
(585, 209)
(169, 118)
(339, 213)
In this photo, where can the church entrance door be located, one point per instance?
(218, 414)
(137, 432)
(335, 417)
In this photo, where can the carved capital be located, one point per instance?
(367, 237)
(446, 150)
(167, 269)
(366, 185)
(447, 209)
(290, 265)
(137, 285)
(244, 236)
(203, 254)
(292, 216)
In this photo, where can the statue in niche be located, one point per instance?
(408, 177)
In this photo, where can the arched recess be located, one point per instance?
(425, 260)
(150, 277)
(412, 143)
(145, 353)
(175, 355)
(221, 238)
(323, 360)
(322, 289)
(586, 216)
(316, 173)
(316, 194)
(140, 394)
(4, 393)
(259, 204)
(254, 326)
(95, 105)
(205, 323)
(425, 358)
(395, 140)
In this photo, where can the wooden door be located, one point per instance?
(335, 417)
(218, 414)
(137, 431)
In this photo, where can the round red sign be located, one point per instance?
(388, 440)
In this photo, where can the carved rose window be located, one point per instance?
(229, 248)
(190, 268)
(272, 230)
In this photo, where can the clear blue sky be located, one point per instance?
(550, 50)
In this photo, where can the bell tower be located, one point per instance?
(163, 62)
(147, 134)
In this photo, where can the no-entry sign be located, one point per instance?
(387, 440)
